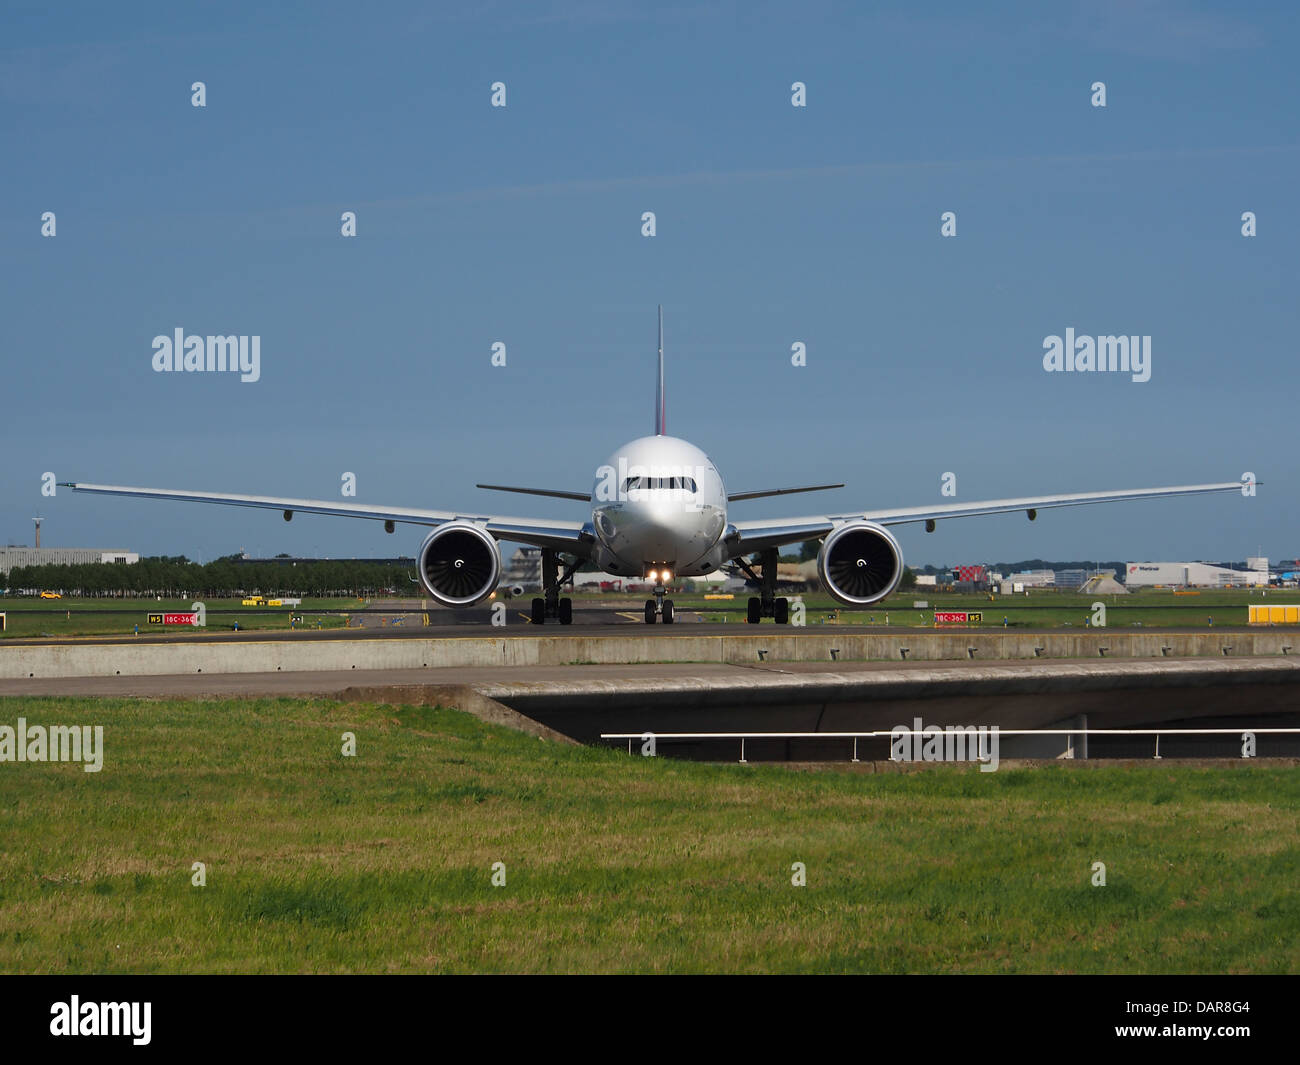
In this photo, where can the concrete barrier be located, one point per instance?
(783, 645)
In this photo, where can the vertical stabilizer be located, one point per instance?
(661, 412)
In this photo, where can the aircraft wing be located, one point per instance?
(558, 535)
(758, 535)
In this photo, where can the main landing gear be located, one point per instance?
(549, 604)
(659, 607)
(765, 604)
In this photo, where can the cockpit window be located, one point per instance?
(670, 483)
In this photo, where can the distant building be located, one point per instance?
(1190, 575)
(11, 557)
(1071, 578)
(1035, 578)
(525, 569)
(1077, 578)
(970, 578)
(1103, 583)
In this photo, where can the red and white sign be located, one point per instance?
(950, 617)
(191, 618)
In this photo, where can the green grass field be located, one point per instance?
(1155, 608)
(382, 862)
(33, 617)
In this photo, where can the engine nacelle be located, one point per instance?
(459, 564)
(860, 563)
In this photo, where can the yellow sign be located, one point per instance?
(1286, 614)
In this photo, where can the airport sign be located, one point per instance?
(957, 617)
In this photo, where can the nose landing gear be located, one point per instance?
(659, 607)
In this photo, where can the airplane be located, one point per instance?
(658, 509)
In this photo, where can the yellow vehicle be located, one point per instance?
(253, 600)
(51, 595)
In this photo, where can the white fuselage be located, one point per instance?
(657, 504)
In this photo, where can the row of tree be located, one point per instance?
(178, 577)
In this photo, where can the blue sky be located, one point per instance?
(775, 224)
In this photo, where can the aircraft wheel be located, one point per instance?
(539, 612)
(566, 611)
(649, 611)
(754, 612)
(783, 612)
(668, 611)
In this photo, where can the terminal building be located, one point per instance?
(1193, 575)
(1034, 578)
(62, 556)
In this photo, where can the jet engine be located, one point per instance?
(459, 564)
(860, 563)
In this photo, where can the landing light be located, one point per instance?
(654, 575)
(667, 575)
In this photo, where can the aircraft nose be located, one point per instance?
(669, 530)
(659, 534)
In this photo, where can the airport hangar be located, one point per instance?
(12, 557)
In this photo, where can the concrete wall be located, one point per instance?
(270, 656)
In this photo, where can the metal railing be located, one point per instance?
(1083, 731)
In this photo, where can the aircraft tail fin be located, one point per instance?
(661, 411)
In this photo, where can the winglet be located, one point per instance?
(661, 411)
